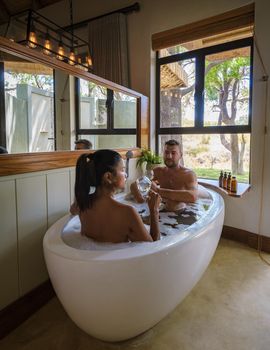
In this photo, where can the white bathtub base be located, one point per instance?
(116, 296)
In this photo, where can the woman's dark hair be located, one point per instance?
(90, 169)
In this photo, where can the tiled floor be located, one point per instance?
(228, 309)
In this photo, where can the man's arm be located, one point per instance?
(188, 195)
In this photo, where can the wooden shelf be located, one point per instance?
(213, 184)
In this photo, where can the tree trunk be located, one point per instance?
(241, 155)
(234, 153)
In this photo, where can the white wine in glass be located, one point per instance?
(144, 185)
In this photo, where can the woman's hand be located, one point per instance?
(136, 193)
(153, 201)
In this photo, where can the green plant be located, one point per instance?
(148, 157)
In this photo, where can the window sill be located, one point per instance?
(242, 188)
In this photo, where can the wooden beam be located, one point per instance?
(4, 12)
(235, 19)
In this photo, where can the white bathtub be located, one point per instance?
(117, 294)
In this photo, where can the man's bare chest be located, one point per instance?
(176, 182)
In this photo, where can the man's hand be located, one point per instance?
(154, 187)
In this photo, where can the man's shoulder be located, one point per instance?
(159, 169)
(187, 172)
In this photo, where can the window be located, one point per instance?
(204, 101)
(105, 117)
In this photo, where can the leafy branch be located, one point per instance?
(148, 157)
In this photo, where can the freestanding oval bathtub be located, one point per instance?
(115, 294)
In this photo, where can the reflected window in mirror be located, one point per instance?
(28, 106)
(105, 117)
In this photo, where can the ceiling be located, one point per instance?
(12, 7)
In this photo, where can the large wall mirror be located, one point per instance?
(28, 105)
(46, 105)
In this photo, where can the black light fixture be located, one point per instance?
(39, 33)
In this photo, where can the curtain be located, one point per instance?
(108, 42)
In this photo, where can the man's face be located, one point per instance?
(80, 146)
(172, 156)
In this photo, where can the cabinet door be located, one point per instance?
(72, 184)
(58, 190)
(32, 225)
(8, 244)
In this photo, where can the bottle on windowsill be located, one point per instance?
(229, 182)
(220, 179)
(234, 185)
(224, 181)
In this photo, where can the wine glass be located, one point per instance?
(144, 185)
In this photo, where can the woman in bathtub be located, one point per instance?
(98, 176)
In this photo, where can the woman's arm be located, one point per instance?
(138, 231)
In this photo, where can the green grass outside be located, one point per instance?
(214, 174)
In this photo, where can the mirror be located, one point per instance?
(45, 108)
(28, 105)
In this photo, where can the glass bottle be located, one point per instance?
(220, 179)
(229, 181)
(234, 184)
(224, 181)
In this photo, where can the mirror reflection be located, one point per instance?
(28, 105)
(46, 110)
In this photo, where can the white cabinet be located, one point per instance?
(29, 203)
(58, 192)
(8, 244)
(32, 224)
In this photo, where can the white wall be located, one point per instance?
(158, 15)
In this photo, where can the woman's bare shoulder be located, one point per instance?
(124, 206)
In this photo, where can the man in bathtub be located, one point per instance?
(176, 184)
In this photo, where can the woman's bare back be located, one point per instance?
(111, 221)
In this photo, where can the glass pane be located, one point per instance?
(93, 109)
(177, 94)
(111, 141)
(29, 107)
(208, 154)
(227, 88)
(125, 111)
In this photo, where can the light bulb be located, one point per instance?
(79, 63)
(61, 52)
(32, 40)
(72, 58)
(88, 61)
(47, 46)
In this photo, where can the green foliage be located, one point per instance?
(205, 139)
(225, 73)
(195, 151)
(209, 173)
(41, 81)
(148, 157)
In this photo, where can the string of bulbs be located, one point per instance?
(55, 41)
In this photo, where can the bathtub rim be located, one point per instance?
(54, 244)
